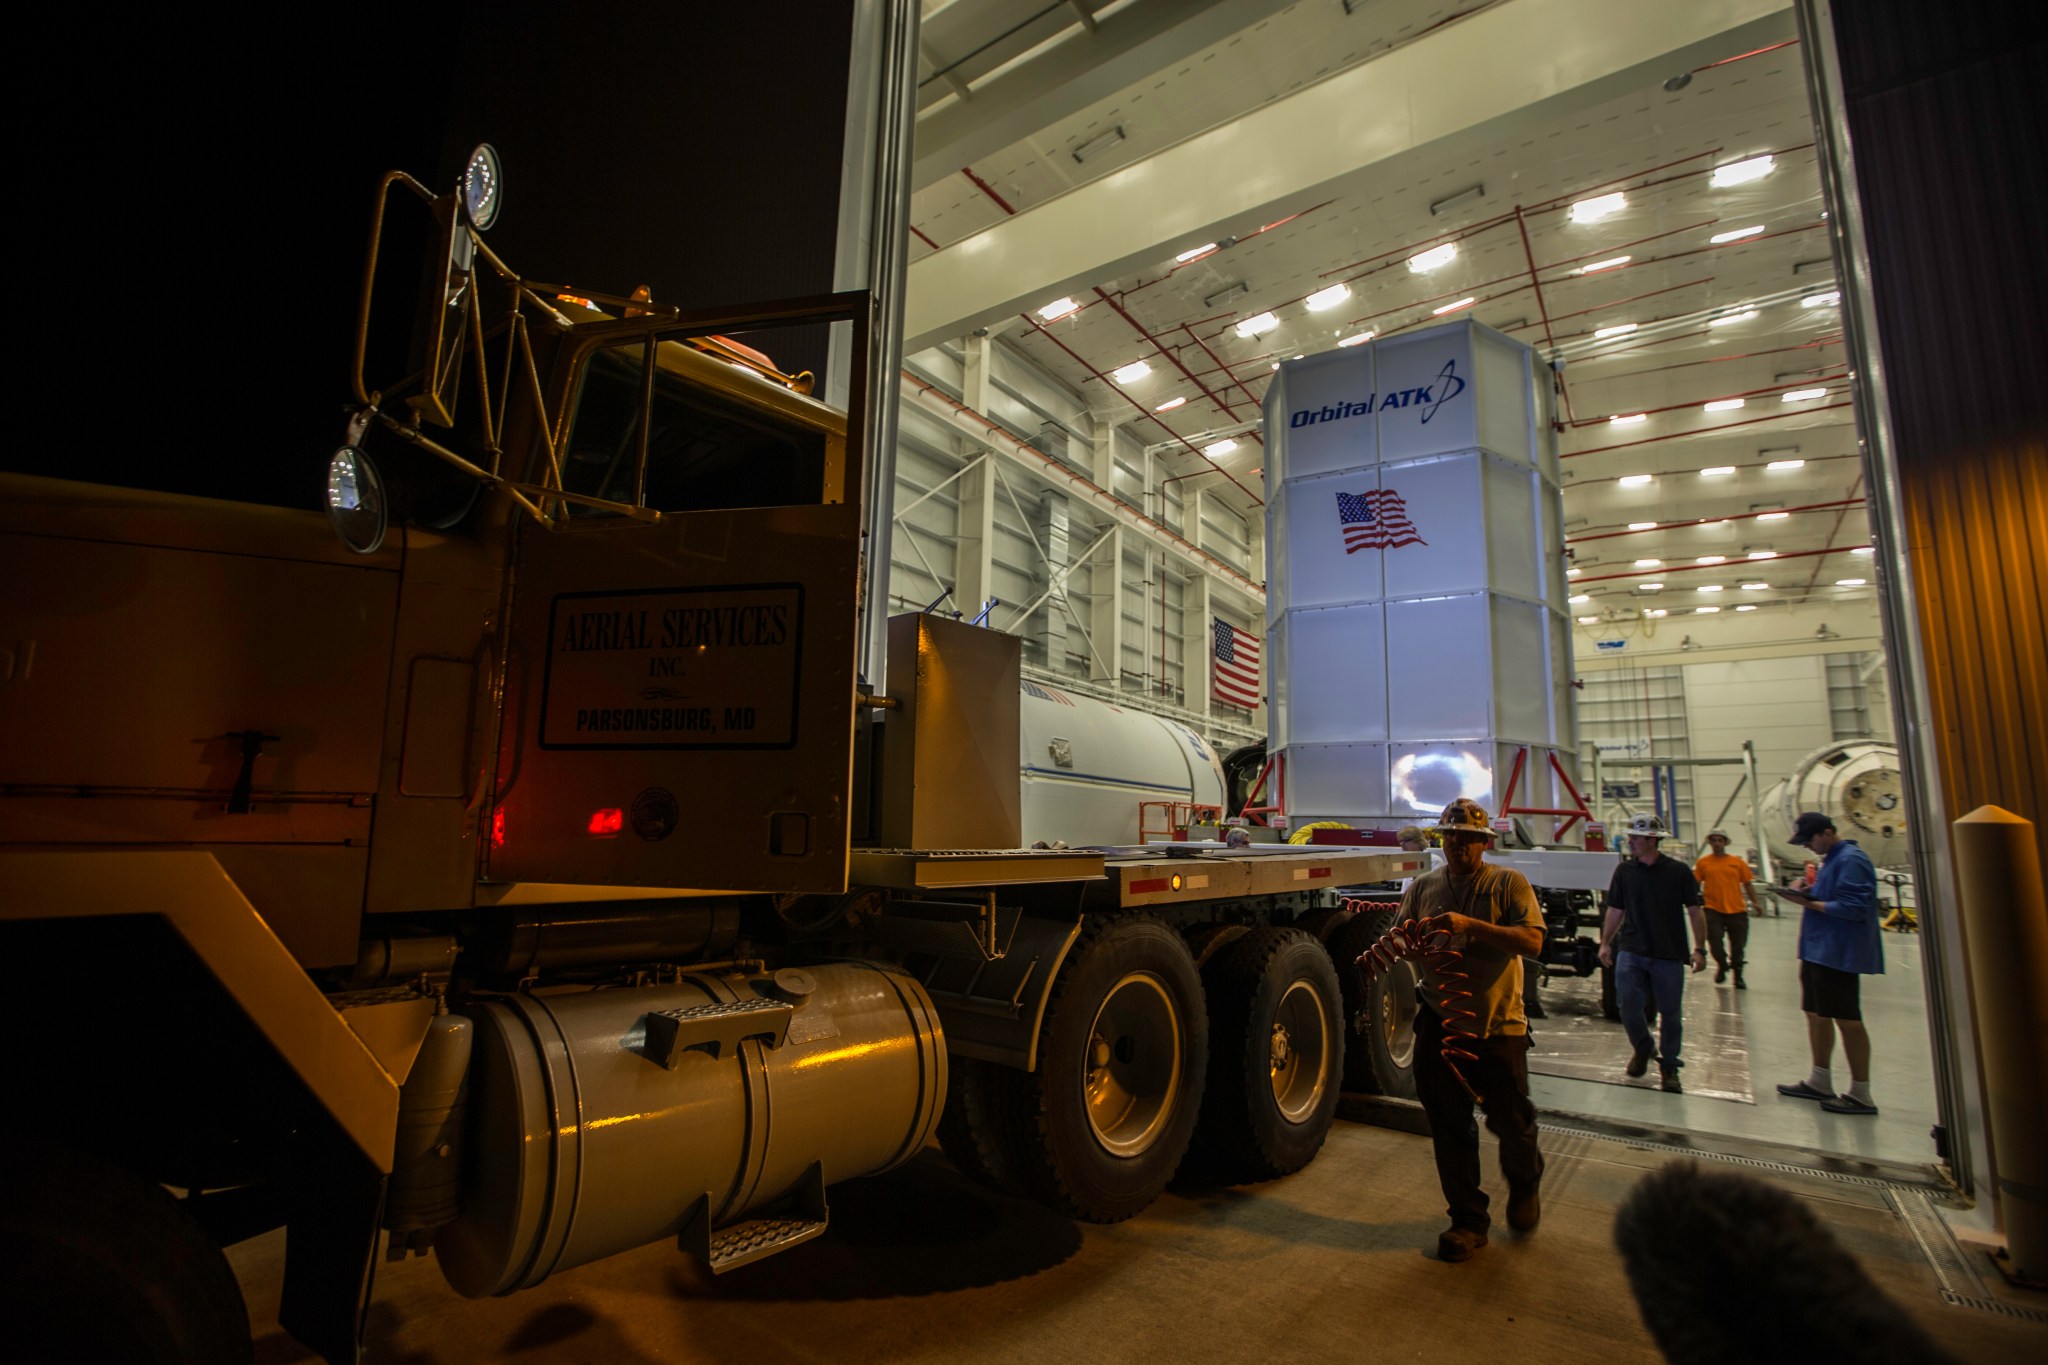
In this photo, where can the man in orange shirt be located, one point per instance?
(1726, 881)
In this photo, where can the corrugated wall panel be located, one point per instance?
(1946, 121)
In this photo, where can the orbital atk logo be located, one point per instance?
(1447, 385)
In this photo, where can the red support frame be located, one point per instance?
(1572, 814)
(1276, 768)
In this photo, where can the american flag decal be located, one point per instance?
(1234, 665)
(1375, 520)
(1046, 694)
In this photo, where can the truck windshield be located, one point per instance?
(704, 451)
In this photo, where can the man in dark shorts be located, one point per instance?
(1649, 903)
(1839, 944)
(1490, 915)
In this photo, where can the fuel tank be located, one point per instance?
(1086, 764)
(601, 1119)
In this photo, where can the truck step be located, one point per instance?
(716, 1029)
(757, 1238)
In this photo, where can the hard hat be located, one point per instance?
(1649, 827)
(1717, 834)
(1465, 816)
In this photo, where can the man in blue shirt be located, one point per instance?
(1839, 942)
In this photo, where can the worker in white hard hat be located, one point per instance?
(1649, 902)
(1490, 916)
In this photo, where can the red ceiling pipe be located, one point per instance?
(1726, 426)
(988, 190)
(1709, 521)
(1721, 568)
(1111, 385)
(1160, 347)
(1746, 393)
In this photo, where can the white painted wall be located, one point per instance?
(1780, 705)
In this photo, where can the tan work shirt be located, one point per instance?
(1498, 895)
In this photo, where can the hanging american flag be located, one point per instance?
(1375, 520)
(1234, 670)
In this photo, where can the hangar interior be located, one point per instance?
(519, 1002)
(1123, 225)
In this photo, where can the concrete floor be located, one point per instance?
(1901, 1061)
(1333, 1263)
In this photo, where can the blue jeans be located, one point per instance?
(1639, 979)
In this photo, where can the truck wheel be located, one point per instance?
(1112, 1107)
(104, 1265)
(1380, 1060)
(977, 1131)
(1276, 1040)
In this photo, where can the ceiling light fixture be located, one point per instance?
(1580, 597)
(1823, 300)
(1634, 480)
(1742, 172)
(1608, 264)
(1649, 587)
(1772, 516)
(1618, 329)
(1218, 448)
(1257, 325)
(1711, 559)
(1763, 554)
(1744, 316)
(1458, 200)
(1601, 206)
(1747, 606)
(1850, 582)
(1226, 294)
(1642, 526)
(1465, 302)
(1573, 572)
(1864, 550)
(1628, 419)
(1589, 620)
(1704, 611)
(1327, 298)
(1057, 309)
(1195, 253)
(1735, 236)
(1708, 587)
(1755, 587)
(1101, 143)
(1424, 261)
(1358, 338)
(1656, 611)
(1724, 405)
(1648, 563)
(1802, 395)
(1131, 373)
(1170, 404)
(1780, 466)
(1717, 471)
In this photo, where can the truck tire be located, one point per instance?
(1276, 1053)
(977, 1131)
(1111, 1109)
(104, 1265)
(1380, 1057)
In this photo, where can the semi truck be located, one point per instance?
(514, 865)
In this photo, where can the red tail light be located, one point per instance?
(498, 828)
(607, 822)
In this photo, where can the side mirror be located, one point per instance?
(356, 504)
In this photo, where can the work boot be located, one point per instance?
(1525, 1207)
(1740, 984)
(1671, 1085)
(1639, 1063)
(1720, 973)
(1458, 1244)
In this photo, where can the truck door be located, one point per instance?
(679, 697)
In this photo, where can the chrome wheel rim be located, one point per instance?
(1397, 1015)
(1300, 1053)
(1132, 1065)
